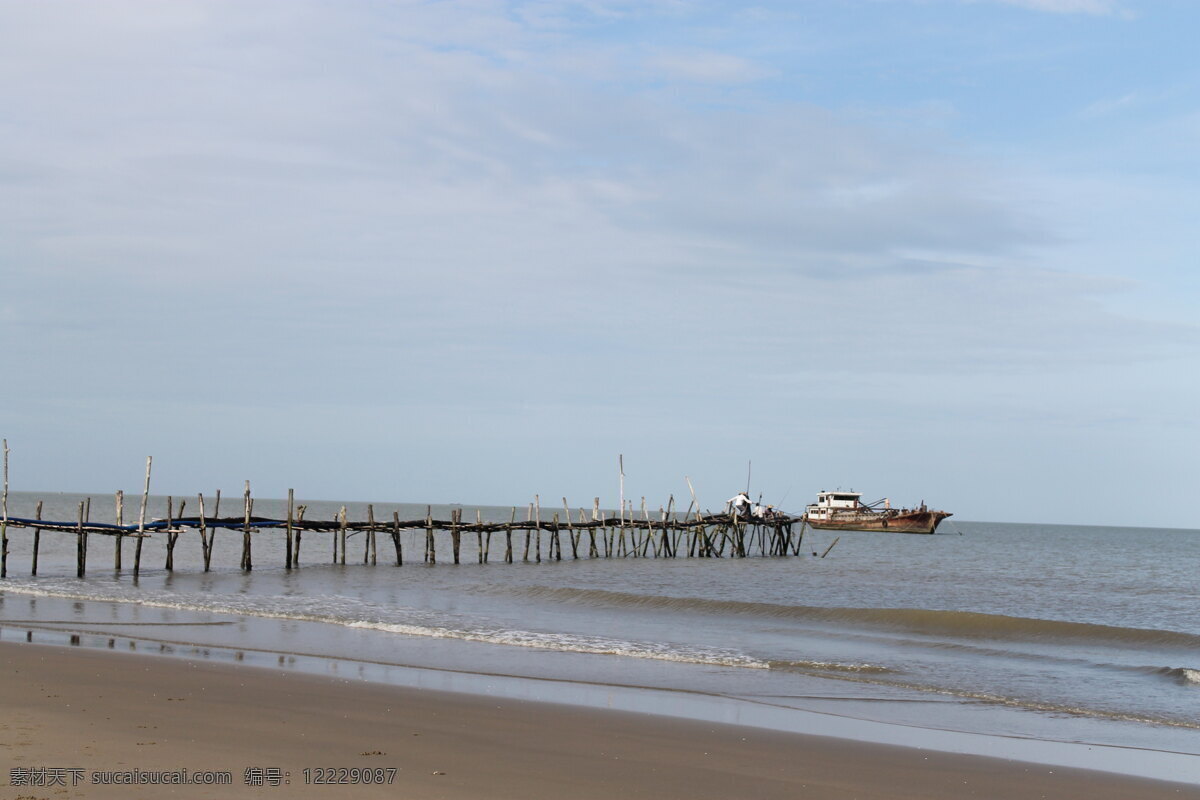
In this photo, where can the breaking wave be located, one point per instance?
(1181, 675)
(929, 622)
(355, 613)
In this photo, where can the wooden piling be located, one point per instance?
(621, 470)
(430, 544)
(80, 549)
(827, 549)
(528, 519)
(119, 539)
(291, 511)
(592, 551)
(212, 537)
(37, 539)
(556, 538)
(537, 519)
(205, 549)
(367, 534)
(299, 535)
(340, 540)
(371, 534)
(508, 553)
(665, 544)
(479, 534)
(571, 531)
(454, 532)
(247, 507)
(800, 538)
(396, 538)
(137, 550)
(170, 564)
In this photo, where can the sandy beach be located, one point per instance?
(110, 712)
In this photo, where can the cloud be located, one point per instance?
(443, 183)
(1099, 7)
(707, 67)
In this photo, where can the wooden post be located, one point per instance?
(247, 563)
(571, 531)
(528, 519)
(800, 538)
(4, 524)
(592, 551)
(621, 470)
(479, 534)
(170, 565)
(341, 538)
(454, 533)
(87, 517)
(137, 550)
(430, 545)
(37, 539)
(205, 550)
(608, 534)
(299, 535)
(508, 556)
(681, 532)
(620, 551)
(120, 537)
(396, 538)
(537, 519)
(371, 534)
(668, 524)
(212, 536)
(367, 536)
(80, 552)
(287, 559)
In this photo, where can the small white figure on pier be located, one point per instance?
(739, 504)
(762, 512)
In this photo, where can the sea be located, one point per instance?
(1064, 644)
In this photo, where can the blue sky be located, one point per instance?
(466, 252)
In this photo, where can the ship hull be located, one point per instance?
(895, 522)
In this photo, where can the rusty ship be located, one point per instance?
(845, 511)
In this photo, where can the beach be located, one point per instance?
(109, 712)
(898, 666)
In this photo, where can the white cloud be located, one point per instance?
(1103, 7)
(707, 67)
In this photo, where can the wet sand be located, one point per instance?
(105, 711)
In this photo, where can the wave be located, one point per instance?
(1181, 675)
(829, 666)
(1027, 704)
(363, 615)
(574, 643)
(929, 622)
(354, 613)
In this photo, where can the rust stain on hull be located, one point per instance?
(889, 521)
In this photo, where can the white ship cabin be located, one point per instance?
(829, 503)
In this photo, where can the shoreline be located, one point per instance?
(661, 706)
(93, 710)
(750, 711)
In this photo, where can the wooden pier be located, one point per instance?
(587, 533)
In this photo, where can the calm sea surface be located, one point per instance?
(1048, 631)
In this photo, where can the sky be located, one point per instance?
(939, 250)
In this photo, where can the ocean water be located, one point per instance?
(1047, 632)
